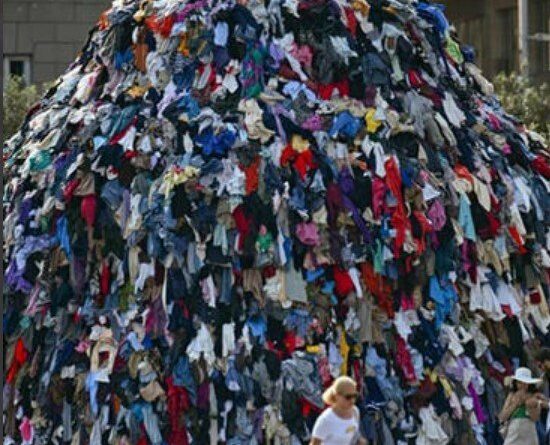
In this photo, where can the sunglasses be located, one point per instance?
(349, 396)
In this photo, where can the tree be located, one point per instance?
(525, 100)
(17, 99)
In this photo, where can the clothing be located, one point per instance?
(221, 206)
(332, 429)
(521, 431)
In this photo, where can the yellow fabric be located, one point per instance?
(175, 177)
(299, 143)
(313, 349)
(137, 91)
(361, 6)
(344, 351)
(372, 123)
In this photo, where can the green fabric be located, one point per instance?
(520, 413)
(264, 242)
(40, 161)
(453, 49)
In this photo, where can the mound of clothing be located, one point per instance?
(223, 205)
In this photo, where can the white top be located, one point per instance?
(332, 429)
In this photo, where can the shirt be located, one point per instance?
(331, 429)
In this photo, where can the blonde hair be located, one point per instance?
(337, 387)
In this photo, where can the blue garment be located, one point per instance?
(433, 13)
(123, 58)
(258, 327)
(345, 124)
(298, 320)
(443, 293)
(218, 144)
(62, 235)
(465, 218)
(92, 387)
(313, 275)
(181, 374)
(123, 119)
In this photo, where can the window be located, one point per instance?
(17, 65)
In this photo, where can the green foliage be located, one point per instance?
(525, 100)
(17, 99)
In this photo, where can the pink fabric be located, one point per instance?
(308, 234)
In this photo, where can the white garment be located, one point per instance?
(202, 344)
(332, 429)
(146, 270)
(430, 431)
(482, 297)
(368, 146)
(228, 339)
(453, 113)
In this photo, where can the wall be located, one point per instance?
(491, 27)
(51, 32)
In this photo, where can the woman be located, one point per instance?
(339, 423)
(522, 409)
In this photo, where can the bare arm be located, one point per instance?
(512, 402)
(315, 441)
(533, 405)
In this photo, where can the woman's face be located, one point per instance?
(522, 386)
(346, 397)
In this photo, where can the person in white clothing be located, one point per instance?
(339, 423)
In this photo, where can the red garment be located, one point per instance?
(69, 189)
(491, 229)
(325, 91)
(162, 25)
(426, 227)
(88, 208)
(304, 163)
(407, 302)
(399, 219)
(541, 165)
(251, 174)
(378, 195)
(401, 224)
(415, 78)
(308, 408)
(404, 360)
(287, 156)
(269, 271)
(104, 279)
(291, 341)
(462, 172)
(20, 355)
(177, 404)
(301, 161)
(352, 21)
(378, 287)
(286, 72)
(344, 285)
(243, 223)
(513, 231)
(117, 137)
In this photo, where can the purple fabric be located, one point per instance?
(478, 409)
(24, 210)
(180, 16)
(345, 181)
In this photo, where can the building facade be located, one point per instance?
(41, 37)
(490, 26)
